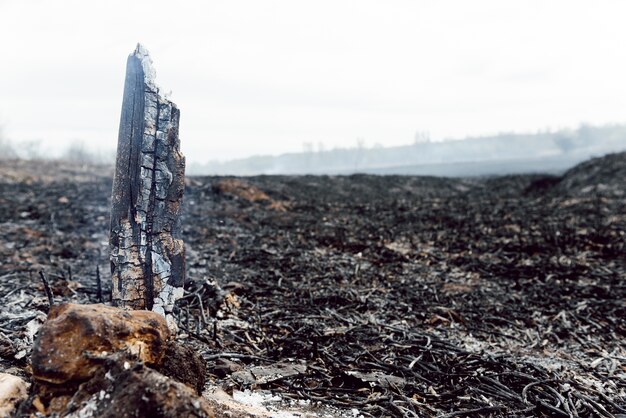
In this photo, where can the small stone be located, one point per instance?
(74, 339)
(185, 365)
(12, 391)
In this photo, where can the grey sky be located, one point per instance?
(257, 76)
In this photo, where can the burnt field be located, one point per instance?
(391, 295)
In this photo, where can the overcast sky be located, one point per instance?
(264, 77)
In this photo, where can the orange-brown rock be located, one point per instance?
(73, 340)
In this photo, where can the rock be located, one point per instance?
(183, 364)
(125, 390)
(73, 340)
(12, 392)
(95, 360)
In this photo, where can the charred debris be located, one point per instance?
(394, 296)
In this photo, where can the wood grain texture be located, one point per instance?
(147, 255)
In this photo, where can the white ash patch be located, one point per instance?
(264, 404)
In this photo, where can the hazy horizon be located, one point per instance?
(256, 78)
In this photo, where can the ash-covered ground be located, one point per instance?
(375, 295)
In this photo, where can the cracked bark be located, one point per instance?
(146, 252)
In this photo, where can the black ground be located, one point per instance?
(402, 296)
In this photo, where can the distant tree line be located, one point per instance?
(75, 152)
(565, 144)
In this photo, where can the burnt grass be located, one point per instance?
(402, 296)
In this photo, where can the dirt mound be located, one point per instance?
(604, 175)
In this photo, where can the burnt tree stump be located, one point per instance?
(146, 252)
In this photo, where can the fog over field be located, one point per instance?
(507, 153)
(546, 151)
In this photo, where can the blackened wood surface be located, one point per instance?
(147, 256)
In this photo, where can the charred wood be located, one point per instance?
(146, 253)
